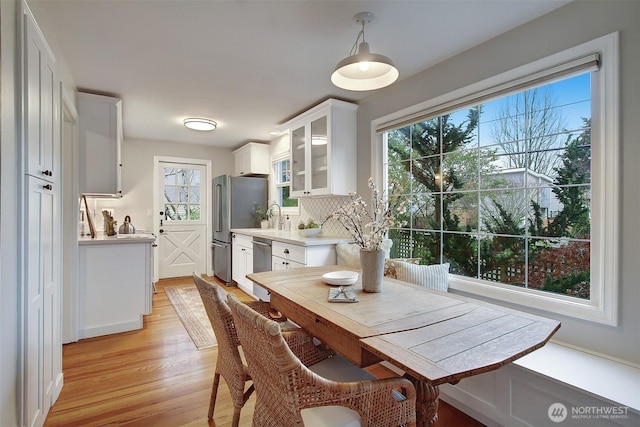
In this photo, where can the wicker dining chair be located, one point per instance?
(288, 393)
(229, 364)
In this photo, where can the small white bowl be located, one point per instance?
(340, 278)
(310, 232)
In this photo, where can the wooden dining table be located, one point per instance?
(434, 337)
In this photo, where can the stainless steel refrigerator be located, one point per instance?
(234, 200)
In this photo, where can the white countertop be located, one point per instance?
(292, 237)
(102, 239)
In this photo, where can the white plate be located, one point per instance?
(340, 278)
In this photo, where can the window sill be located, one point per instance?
(526, 298)
(597, 375)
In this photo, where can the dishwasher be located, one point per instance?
(261, 262)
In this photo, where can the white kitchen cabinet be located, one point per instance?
(100, 143)
(115, 284)
(41, 338)
(286, 255)
(252, 159)
(323, 150)
(242, 261)
(42, 105)
(279, 263)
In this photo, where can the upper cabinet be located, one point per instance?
(100, 120)
(42, 105)
(252, 159)
(323, 150)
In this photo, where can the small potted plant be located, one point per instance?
(263, 216)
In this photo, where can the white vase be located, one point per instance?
(264, 224)
(372, 265)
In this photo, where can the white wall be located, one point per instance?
(137, 176)
(9, 375)
(568, 26)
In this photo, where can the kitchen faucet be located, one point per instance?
(280, 219)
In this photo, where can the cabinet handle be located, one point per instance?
(48, 187)
(47, 173)
(286, 251)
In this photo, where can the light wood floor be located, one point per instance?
(156, 377)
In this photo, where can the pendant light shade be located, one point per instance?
(363, 70)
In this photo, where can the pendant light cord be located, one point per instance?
(354, 48)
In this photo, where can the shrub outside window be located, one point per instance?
(182, 194)
(282, 173)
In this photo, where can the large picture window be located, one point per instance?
(501, 190)
(507, 185)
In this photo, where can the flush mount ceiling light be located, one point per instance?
(200, 124)
(318, 140)
(363, 70)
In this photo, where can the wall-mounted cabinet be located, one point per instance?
(323, 150)
(252, 159)
(100, 120)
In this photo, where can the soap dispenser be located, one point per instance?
(287, 224)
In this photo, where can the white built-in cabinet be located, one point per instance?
(41, 349)
(285, 255)
(323, 150)
(100, 141)
(116, 282)
(252, 159)
(242, 261)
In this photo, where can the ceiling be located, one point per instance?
(251, 65)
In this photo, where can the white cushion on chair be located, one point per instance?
(330, 416)
(335, 368)
(434, 276)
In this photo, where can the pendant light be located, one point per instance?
(363, 70)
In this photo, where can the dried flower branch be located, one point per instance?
(369, 227)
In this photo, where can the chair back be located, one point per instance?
(229, 362)
(274, 369)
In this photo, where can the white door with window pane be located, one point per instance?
(182, 243)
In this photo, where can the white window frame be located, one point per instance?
(605, 272)
(274, 160)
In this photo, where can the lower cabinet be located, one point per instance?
(242, 261)
(115, 286)
(42, 315)
(285, 256)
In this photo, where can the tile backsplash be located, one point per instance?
(319, 209)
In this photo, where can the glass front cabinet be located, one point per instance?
(323, 150)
